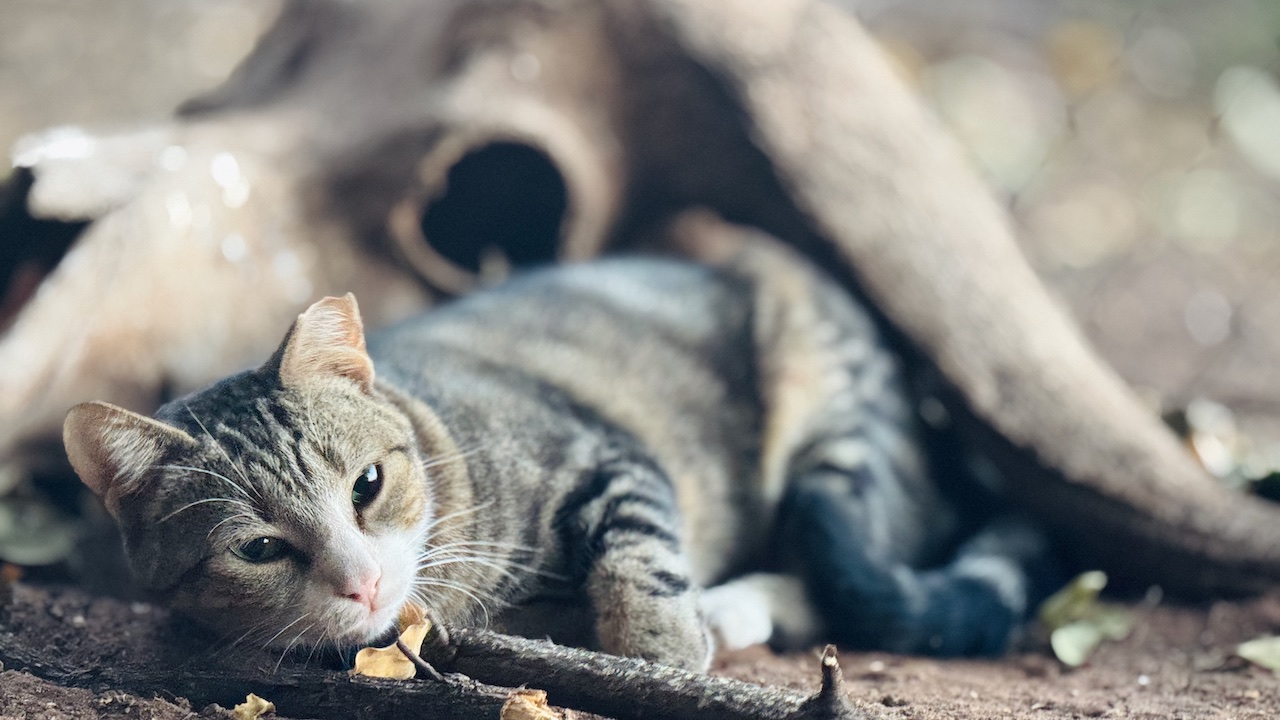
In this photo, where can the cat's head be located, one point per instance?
(288, 502)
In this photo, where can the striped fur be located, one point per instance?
(612, 437)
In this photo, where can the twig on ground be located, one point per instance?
(830, 701)
(423, 666)
(154, 657)
(630, 688)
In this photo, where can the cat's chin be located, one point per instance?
(378, 626)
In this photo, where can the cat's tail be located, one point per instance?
(974, 605)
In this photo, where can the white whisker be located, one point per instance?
(289, 647)
(190, 505)
(502, 563)
(255, 628)
(436, 522)
(218, 445)
(447, 458)
(226, 520)
(211, 473)
(283, 629)
(463, 560)
(457, 587)
(317, 644)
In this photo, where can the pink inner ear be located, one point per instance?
(328, 339)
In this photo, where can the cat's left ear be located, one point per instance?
(326, 340)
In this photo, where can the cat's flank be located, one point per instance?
(614, 436)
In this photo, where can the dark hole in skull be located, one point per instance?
(503, 198)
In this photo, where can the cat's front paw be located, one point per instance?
(667, 630)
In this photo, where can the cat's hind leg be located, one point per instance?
(973, 605)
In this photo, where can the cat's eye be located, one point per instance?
(366, 486)
(262, 550)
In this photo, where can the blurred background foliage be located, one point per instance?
(1136, 143)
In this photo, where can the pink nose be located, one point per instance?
(363, 590)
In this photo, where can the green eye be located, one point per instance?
(367, 486)
(262, 550)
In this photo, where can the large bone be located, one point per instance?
(352, 117)
(935, 252)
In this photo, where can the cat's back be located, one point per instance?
(663, 350)
(660, 347)
(643, 322)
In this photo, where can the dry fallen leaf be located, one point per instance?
(1079, 623)
(253, 708)
(1263, 651)
(389, 662)
(525, 704)
(1073, 601)
(410, 614)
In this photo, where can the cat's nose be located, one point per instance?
(364, 589)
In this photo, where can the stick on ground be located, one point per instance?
(102, 644)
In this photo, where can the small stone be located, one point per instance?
(140, 608)
(1143, 680)
(876, 666)
(78, 620)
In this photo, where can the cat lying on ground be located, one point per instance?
(623, 435)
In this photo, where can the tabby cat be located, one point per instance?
(617, 436)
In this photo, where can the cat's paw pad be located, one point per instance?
(738, 615)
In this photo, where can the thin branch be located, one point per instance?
(423, 666)
(831, 701)
(628, 688)
(146, 654)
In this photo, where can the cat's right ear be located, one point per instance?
(111, 448)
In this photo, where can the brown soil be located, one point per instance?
(1178, 663)
(26, 696)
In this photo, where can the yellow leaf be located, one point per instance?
(1073, 643)
(1263, 651)
(1072, 602)
(1078, 622)
(253, 708)
(410, 614)
(389, 662)
(525, 704)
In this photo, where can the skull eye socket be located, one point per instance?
(505, 198)
(497, 207)
(262, 550)
(366, 486)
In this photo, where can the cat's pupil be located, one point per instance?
(367, 486)
(263, 549)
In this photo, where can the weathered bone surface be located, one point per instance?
(369, 147)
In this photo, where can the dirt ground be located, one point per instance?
(1178, 663)
(1142, 296)
(26, 696)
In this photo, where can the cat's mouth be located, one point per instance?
(374, 627)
